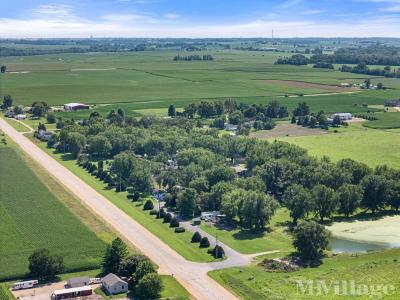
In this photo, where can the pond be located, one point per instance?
(338, 245)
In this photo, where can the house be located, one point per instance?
(343, 116)
(75, 106)
(44, 135)
(20, 117)
(78, 282)
(114, 285)
(231, 127)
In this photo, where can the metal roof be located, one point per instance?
(77, 289)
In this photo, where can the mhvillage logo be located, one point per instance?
(346, 288)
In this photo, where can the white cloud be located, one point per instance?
(60, 21)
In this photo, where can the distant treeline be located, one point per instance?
(193, 57)
(372, 55)
(363, 69)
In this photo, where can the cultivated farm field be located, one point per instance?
(152, 76)
(31, 217)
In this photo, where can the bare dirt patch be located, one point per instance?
(282, 130)
(307, 85)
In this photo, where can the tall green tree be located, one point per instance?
(44, 265)
(171, 111)
(298, 200)
(375, 188)
(149, 287)
(186, 203)
(7, 101)
(324, 201)
(115, 254)
(349, 197)
(310, 240)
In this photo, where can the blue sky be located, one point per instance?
(201, 18)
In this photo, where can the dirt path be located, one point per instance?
(307, 85)
(193, 276)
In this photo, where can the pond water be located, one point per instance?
(338, 245)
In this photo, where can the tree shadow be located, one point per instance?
(250, 234)
(365, 216)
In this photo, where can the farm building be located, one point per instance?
(114, 285)
(78, 282)
(75, 106)
(343, 116)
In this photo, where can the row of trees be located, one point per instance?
(362, 68)
(193, 57)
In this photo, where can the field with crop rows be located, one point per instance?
(31, 217)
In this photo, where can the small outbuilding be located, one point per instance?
(20, 117)
(78, 282)
(231, 127)
(114, 285)
(75, 106)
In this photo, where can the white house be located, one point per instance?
(343, 116)
(114, 285)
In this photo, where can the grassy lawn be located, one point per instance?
(247, 242)
(179, 242)
(33, 217)
(173, 289)
(16, 125)
(374, 268)
(370, 146)
(387, 120)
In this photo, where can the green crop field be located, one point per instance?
(372, 269)
(152, 76)
(371, 146)
(31, 217)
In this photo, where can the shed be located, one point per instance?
(231, 127)
(20, 117)
(114, 285)
(78, 282)
(75, 106)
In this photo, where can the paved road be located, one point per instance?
(193, 276)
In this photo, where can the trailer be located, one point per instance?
(72, 293)
(24, 285)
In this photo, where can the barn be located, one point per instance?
(75, 106)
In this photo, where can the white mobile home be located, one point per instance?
(24, 285)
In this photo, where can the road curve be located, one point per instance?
(193, 276)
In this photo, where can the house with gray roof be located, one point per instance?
(114, 285)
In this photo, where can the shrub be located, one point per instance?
(148, 205)
(136, 196)
(153, 212)
(161, 214)
(167, 218)
(174, 222)
(204, 243)
(130, 190)
(218, 252)
(196, 238)
(179, 229)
